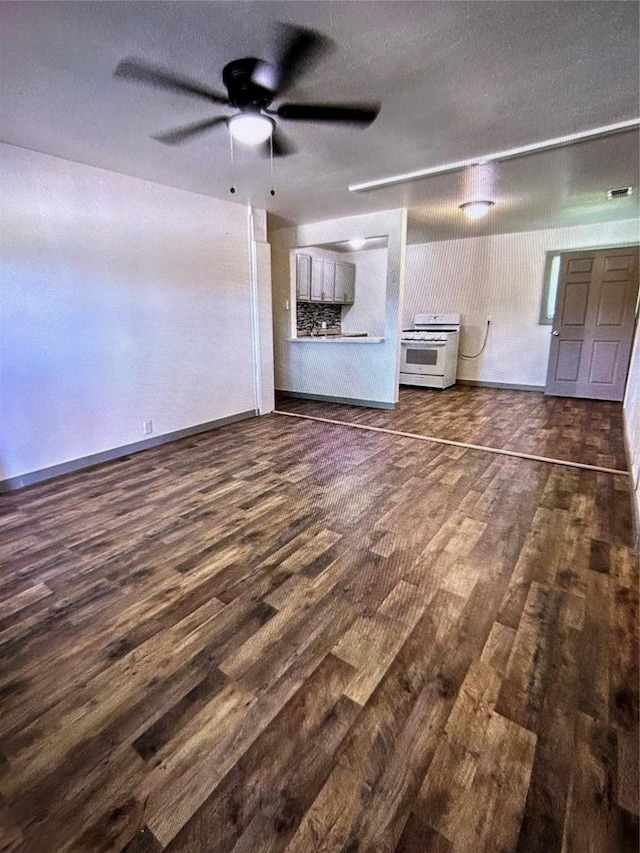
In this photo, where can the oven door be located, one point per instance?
(425, 358)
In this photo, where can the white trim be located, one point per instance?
(521, 151)
(255, 311)
(83, 462)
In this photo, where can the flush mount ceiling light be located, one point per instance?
(476, 209)
(250, 128)
(479, 188)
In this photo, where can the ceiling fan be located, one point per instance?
(252, 84)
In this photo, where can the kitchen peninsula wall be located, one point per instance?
(364, 370)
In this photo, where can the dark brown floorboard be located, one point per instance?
(289, 636)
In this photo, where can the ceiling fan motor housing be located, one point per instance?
(244, 94)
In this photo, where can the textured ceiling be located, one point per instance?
(456, 80)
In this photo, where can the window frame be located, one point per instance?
(550, 281)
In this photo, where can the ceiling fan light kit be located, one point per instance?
(250, 128)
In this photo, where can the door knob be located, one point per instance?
(555, 333)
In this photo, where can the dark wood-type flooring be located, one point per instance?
(285, 636)
(587, 431)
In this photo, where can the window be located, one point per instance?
(550, 289)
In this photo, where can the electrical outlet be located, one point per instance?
(488, 321)
(147, 426)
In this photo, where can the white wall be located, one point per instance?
(368, 311)
(632, 426)
(122, 301)
(349, 370)
(500, 277)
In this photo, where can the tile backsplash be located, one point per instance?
(311, 315)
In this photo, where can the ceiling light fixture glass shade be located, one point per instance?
(476, 209)
(250, 128)
(357, 243)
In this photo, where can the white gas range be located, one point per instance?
(430, 351)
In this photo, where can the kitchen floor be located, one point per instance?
(288, 635)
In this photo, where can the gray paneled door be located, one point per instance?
(594, 324)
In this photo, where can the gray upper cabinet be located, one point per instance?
(303, 278)
(317, 280)
(323, 280)
(345, 283)
(328, 278)
(322, 275)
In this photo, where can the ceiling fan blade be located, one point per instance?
(142, 72)
(183, 134)
(297, 49)
(282, 145)
(362, 114)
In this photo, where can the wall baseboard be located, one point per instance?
(509, 386)
(323, 398)
(72, 465)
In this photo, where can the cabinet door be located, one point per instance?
(317, 280)
(345, 280)
(328, 280)
(303, 278)
(350, 286)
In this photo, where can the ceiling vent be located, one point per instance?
(623, 192)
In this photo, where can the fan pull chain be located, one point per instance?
(233, 180)
(272, 191)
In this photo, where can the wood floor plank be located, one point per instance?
(286, 635)
(238, 723)
(591, 809)
(257, 806)
(390, 746)
(475, 789)
(98, 702)
(546, 805)
(418, 837)
(21, 601)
